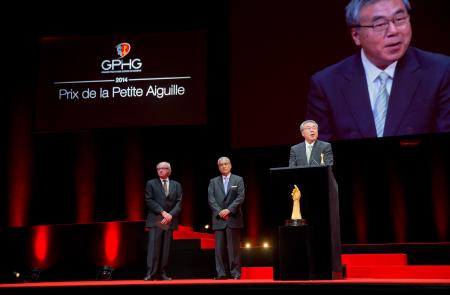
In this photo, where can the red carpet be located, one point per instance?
(228, 282)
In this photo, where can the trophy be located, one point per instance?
(296, 217)
(322, 162)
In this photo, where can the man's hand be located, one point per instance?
(167, 218)
(224, 214)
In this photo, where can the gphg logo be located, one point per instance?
(123, 49)
(120, 65)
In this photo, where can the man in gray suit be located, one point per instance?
(163, 200)
(311, 152)
(226, 194)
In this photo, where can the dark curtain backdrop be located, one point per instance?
(390, 190)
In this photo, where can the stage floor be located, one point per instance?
(209, 286)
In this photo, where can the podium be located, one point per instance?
(310, 251)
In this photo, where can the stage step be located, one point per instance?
(207, 243)
(257, 273)
(357, 265)
(374, 259)
(198, 244)
(374, 266)
(399, 272)
(184, 234)
(368, 272)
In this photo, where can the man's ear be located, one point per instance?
(355, 36)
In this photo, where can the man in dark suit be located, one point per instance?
(314, 152)
(163, 201)
(345, 99)
(311, 152)
(226, 194)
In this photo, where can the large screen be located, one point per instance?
(275, 52)
(151, 79)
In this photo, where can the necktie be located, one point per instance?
(308, 152)
(225, 184)
(381, 102)
(165, 187)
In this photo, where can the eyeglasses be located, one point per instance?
(382, 24)
(162, 168)
(310, 128)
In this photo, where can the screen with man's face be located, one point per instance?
(274, 58)
(153, 79)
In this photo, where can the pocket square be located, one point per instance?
(234, 186)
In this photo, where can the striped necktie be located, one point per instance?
(381, 102)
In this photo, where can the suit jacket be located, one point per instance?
(156, 202)
(232, 201)
(297, 155)
(419, 101)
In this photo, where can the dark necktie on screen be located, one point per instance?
(381, 102)
(165, 187)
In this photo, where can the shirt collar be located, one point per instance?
(372, 71)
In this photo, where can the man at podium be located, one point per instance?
(311, 152)
(319, 187)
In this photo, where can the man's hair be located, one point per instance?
(165, 164)
(223, 159)
(353, 9)
(302, 125)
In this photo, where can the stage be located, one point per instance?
(209, 286)
(415, 268)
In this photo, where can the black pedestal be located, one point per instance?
(294, 253)
(320, 207)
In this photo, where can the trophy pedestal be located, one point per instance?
(320, 205)
(295, 222)
(294, 253)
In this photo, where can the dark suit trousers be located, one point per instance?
(228, 252)
(158, 250)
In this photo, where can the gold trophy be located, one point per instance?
(322, 162)
(296, 217)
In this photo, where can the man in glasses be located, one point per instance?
(311, 152)
(388, 88)
(163, 201)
